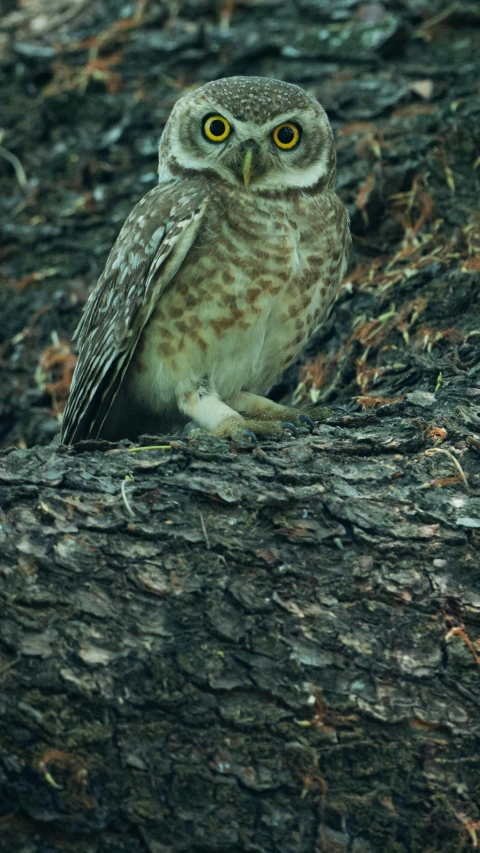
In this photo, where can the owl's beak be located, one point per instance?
(247, 166)
(246, 161)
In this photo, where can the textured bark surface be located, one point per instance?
(265, 648)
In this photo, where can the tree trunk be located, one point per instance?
(218, 647)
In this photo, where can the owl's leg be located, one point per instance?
(262, 409)
(207, 410)
(210, 413)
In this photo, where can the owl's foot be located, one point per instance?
(261, 409)
(297, 417)
(247, 416)
(241, 429)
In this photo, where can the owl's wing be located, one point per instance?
(149, 250)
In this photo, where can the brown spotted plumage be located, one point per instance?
(221, 273)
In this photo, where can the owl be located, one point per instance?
(220, 274)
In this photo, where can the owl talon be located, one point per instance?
(243, 435)
(307, 421)
(289, 426)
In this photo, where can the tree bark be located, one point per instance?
(213, 647)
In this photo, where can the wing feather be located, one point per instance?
(149, 250)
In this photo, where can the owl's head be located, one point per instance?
(256, 133)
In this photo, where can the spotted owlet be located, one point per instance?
(221, 273)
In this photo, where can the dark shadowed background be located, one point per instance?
(86, 89)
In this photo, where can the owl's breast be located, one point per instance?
(242, 305)
(258, 235)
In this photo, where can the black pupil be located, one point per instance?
(217, 127)
(285, 135)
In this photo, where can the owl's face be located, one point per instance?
(256, 133)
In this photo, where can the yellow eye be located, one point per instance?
(216, 128)
(286, 135)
